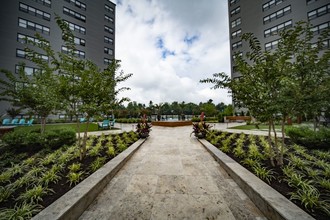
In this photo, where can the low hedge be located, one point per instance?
(207, 119)
(33, 140)
(309, 138)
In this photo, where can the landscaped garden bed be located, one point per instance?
(32, 180)
(304, 178)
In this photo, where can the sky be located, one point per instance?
(169, 45)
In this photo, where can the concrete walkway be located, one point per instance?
(172, 176)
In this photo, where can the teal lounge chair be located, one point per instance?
(14, 121)
(21, 122)
(104, 125)
(112, 123)
(6, 122)
(29, 123)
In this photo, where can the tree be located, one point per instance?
(273, 84)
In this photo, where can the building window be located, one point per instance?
(236, 45)
(310, 1)
(77, 3)
(108, 19)
(236, 22)
(319, 28)
(79, 41)
(232, 2)
(324, 44)
(319, 12)
(278, 14)
(236, 34)
(23, 54)
(271, 45)
(47, 3)
(108, 40)
(25, 39)
(239, 54)
(76, 28)
(27, 70)
(107, 61)
(33, 26)
(34, 11)
(235, 11)
(109, 9)
(108, 51)
(78, 53)
(108, 29)
(276, 29)
(271, 4)
(74, 14)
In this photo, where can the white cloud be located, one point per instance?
(169, 45)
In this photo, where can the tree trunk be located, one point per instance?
(43, 124)
(278, 160)
(283, 137)
(270, 144)
(79, 138)
(83, 146)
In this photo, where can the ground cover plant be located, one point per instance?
(31, 181)
(304, 177)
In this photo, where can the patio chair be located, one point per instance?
(21, 122)
(14, 121)
(82, 120)
(6, 122)
(29, 122)
(104, 125)
(112, 123)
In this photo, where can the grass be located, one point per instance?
(253, 127)
(91, 127)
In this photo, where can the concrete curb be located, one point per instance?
(72, 204)
(273, 204)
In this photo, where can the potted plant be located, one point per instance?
(143, 128)
(200, 129)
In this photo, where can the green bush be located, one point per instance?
(308, 137)
(33, 140)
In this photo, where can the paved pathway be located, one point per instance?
(172, 177)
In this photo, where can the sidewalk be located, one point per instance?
(172, 176)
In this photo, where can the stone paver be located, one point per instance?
(172, 176)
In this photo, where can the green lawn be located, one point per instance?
(91, 127)
(253, 127)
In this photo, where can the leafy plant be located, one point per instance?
(5, 192)
(263, 173)
(321, 164)
(49, 177)
(239, 152)
(19, 212)
(57, 168)
(324, 182)
(36, 171)
(5, 176)
(225, 148)
(313, 173)
(111, 152)
(97, 163)
(75, 167)
(74, 178)
(30, 161)
(254, 153)
(25, 180)
(297, 162)
(300, 182)
(121, 147)
(35, 194)
(325, 155)
(250, 162)
(50, 158)
(95, 151)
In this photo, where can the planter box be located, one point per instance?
(171, 123)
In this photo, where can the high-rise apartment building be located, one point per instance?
(92, 23)
(265, 18)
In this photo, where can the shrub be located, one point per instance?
(33, 140)
(309, 138)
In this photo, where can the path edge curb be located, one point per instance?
(273, 204)
(73, 203)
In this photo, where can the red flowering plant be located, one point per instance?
(143, 128)
(200, 129)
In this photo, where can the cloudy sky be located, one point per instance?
(169, 45)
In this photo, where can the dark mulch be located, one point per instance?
(277, 183)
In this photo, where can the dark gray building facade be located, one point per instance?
(92, 22)
(265, 18)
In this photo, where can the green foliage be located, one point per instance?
(239, 152)
(75, 167)
(25, 140)
(35, 194)
(309, 138)
(254, 153)
(5, 176)
(5, 192)
(49, 176)
(263, 173)
(111, 151)
(250, 162)
(19, 212)
(74, 178)
(98, 163)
